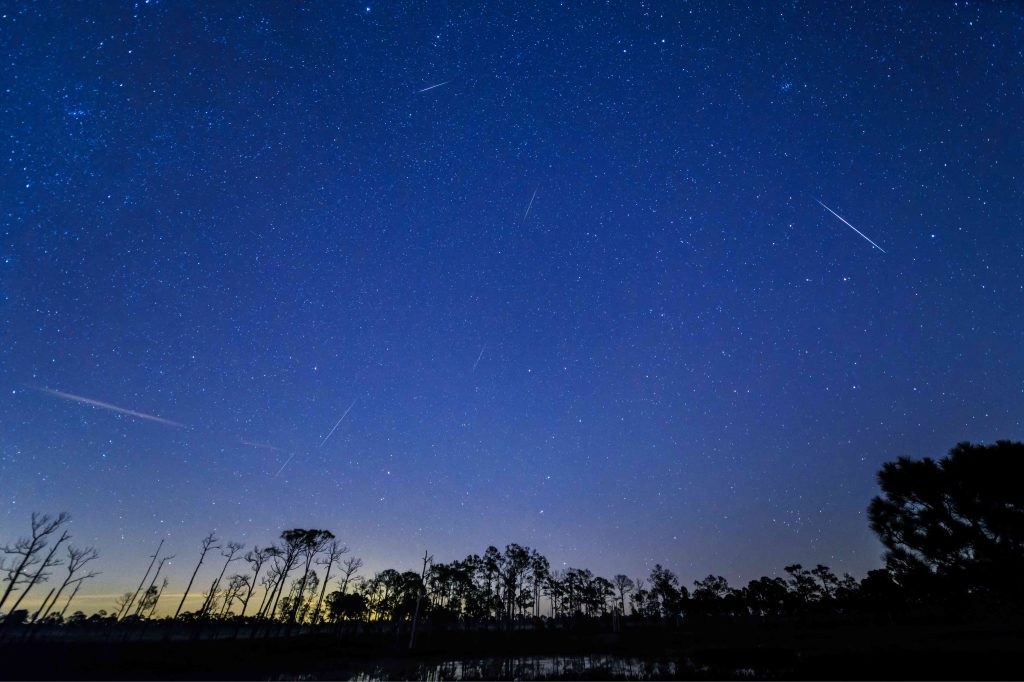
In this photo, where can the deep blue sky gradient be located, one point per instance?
(244, 216)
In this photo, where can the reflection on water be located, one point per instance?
(532, 668)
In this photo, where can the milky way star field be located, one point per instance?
(625, 282)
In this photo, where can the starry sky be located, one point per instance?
(572, 269)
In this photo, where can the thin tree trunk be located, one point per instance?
(319, 602)
(263, 601)
(191, 580)
(13, 581)
(277, 595)
(302, 592)
(160, 566)
(252, 588)
(128, 606)
(53, 602)
(271, 602)
(213, 590)
(40, 609)
(159, 594)
(77, 587)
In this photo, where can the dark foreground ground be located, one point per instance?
(805, 651)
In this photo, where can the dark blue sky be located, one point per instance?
(582, 293)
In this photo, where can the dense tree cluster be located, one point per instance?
(954, 530)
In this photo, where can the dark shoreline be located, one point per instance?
(709, 651)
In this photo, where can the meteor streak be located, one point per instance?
(264, 446)
(286, 463)
(108, 406)
(529, 206)
(479, 356)
(850, 226)
(432, 87)
(335, 426)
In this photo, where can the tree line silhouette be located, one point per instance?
(953, 530)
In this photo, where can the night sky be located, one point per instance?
(566, 263)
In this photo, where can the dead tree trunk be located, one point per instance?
(128, 605)
(206, 546)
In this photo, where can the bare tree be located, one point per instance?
(624, 586)
(127, 606)
(256, 558)
(78, 586)
(294, 541)
(209, 597)
(269, 582)
(40, 609)
(427, 559)
(28, 549)
(312, 543)
(231, 550)
(121, 603)
(237, 584)
(334, 551)
(41, 574)
(152, 588)
(207, 545)
(77, 559)
(153, 597)
(348, 569)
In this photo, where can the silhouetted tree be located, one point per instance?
(42, 604)
(624, 586)
(26, 551)
(41, 574)
(349, 568)
(238, 585)
(961, 518)
(207, 545)
(149, 599)
(766, 596)
(77, 559)
(123, 611)
(666, 594)
(269, 582)
(152, 590)
(294, 543)
(121, 602)
(343, 606)
(879, 592)
(311, 544)
(256, 558)
(804, 588)
(74, 593)
(711, 596)
(540, 567)
(230, 552)
(827, 581)
(334, 551)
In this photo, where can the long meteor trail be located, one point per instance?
(431, 87)
(850, 226)
(108, 406)
(336, 425)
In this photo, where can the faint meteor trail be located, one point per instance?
(529, 206)
(336, 425)
(432, 87)
(264, 446)
(108, 406)
(850, 226)
(479, 356)
(286, 463)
